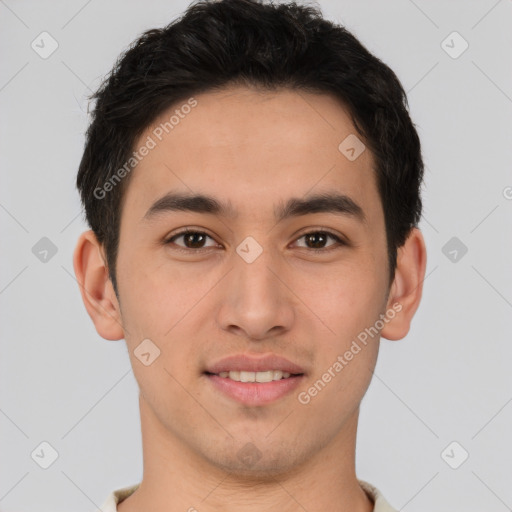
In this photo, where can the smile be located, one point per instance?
(247, 376)
(255, 388)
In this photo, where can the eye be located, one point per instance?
(193, 240)
(315, 240)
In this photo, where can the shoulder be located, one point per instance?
(116, 497)
(380, 503)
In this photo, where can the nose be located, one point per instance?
(257, 301)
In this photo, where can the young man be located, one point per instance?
(252, 179)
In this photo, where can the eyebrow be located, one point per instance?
(327, 202)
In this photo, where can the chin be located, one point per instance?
(262, 462)
(266, 469)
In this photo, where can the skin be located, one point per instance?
(255, 149)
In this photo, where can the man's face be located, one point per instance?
(202, 298)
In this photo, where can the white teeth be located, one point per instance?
(264, 376)
(267, 376)
(247, 376)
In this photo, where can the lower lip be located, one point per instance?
(255, 393)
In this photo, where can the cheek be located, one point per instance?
(335, 391)
(348, 357)
(159, 306)
(349, 306)
(153, 300)
(347, 300)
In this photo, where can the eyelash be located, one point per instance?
(339, 242)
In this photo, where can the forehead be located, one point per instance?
(249, 148)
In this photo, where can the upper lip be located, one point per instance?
(244, 362)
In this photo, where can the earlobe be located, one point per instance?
(407, 286)
(96, 288)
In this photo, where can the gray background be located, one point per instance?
(449, 380)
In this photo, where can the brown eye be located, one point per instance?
(316, 240)
(191, 239)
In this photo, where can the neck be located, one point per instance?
(177, 478)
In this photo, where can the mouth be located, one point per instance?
(260, 377)
(252, 388)
(254, 379)
(248, 367)
(251, 392)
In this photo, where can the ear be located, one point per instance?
(96, 288)
(407, 286)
